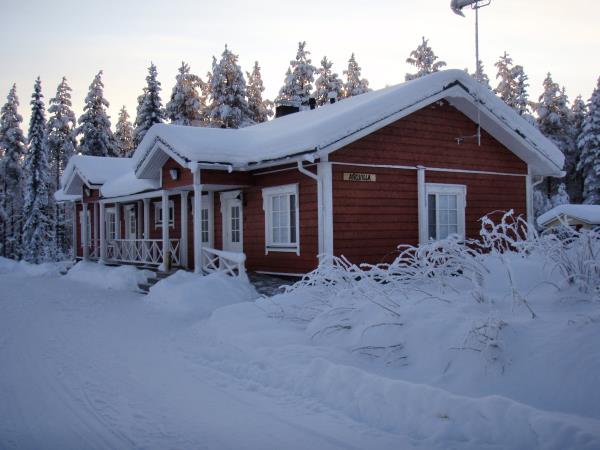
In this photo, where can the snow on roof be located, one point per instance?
(93, 171)
(585, 213)
(60, 196)
(127, 184)
(332, 126)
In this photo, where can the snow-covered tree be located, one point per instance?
(228, 107)
(97, 139)
(424, 60)
(354, 84)
(328, 85)
(485, 80)
(150, 110)
(185, 106)
(589, 147)
(561, 197)
(38, 230)
(299, 77)
(61, 146)
(12, 149)
(124, 134)
(261, 109)
(574, 179)
(554, 121)
(520, 101)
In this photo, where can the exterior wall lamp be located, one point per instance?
(174, 173)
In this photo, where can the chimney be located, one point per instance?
(284, 110)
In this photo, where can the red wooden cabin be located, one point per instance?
(356, 178)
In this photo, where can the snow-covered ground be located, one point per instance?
(452, 360)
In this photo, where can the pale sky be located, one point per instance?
(76, 39)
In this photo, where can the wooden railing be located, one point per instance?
(220, 261)
(145, 251)
(94, 248)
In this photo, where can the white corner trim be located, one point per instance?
(325, 205)
(422, 205)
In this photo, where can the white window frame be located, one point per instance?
(207, 205)
(460, 190)
(157, 218)
(111, 234)
(130, 218)
(268, 194)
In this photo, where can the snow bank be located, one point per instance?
(123, 278)
(194, 296)
(448, 344)
(12, 266)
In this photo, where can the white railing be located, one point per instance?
(146, 251)
(94, 248)
(220, 261)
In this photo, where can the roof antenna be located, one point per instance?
(457, 7)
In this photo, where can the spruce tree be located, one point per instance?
(185, 106)
(485, 80)
(61, 146)
(260, 109)
(512, 85)
(12, 148)
(299, 77)
(97, 139)
(354, 84)
(424, 60)
(554, 121)
(38, 231)
(124, 134)
(328, 86)
(589, 147)
(228, 107)
(149, 110)
(578, 114)
(520, 102)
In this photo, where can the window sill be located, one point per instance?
(275, 249)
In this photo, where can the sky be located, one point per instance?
(78, 38)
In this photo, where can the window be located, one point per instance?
(111, 224)
(158, 216)
(445, 210)
(204, 220)
(130, 222)
(281, 218)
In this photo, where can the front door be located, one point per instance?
(232, 216)
(130, 222)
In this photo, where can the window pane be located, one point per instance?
(443, 231)
(443, 217)
(452, 229)
(452, 200)
(431, 216)
(443, 199)
(453, 217)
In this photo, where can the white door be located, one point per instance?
(233, 225)
(130, 222)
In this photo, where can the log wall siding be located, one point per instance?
(428, 137)
(254, 225)
(372, 218)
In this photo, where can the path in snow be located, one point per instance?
(88, 368)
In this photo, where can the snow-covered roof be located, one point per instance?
(94, 171)
(60, 197)
(325, 129)
(127, 184)
(589, 214)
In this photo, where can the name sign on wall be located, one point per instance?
(353, 176)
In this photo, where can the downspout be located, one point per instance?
(321, 217)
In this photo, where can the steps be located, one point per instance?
(144, 288)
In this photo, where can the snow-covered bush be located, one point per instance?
(362, 306)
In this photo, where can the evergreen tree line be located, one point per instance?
(34, 227)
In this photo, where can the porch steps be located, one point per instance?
(144, 288)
